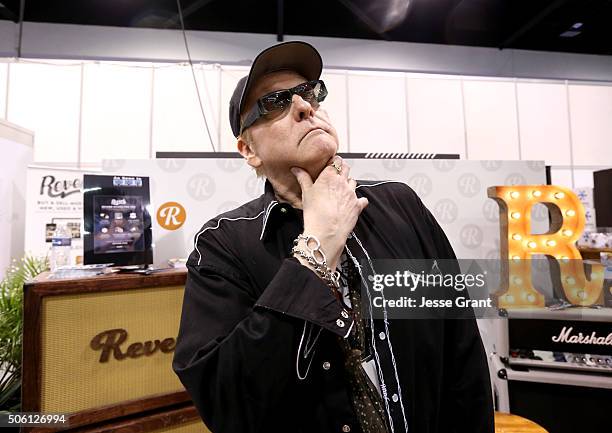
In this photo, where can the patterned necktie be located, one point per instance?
(366, 399)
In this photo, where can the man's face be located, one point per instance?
(301, 136)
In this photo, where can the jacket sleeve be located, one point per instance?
(467, 398)
(236, 351)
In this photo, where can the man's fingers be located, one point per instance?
(363, 202)
(346, 169)
(352, 183)
(302, 177)
(336, 164)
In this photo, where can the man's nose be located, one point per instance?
(301, 109)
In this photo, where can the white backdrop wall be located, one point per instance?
(454, 191)
(17, 143)
(83, 112)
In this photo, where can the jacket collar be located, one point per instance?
(269, 203)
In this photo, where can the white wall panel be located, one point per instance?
(211, 78)
(490, 116)
(45, 99)
(377, 112)
(229, 77)
(3, 77)
(583, 177)
(591, 124)
(561, 177)
(435, 116)
(178, 125)
(543, 122)
(116, 112)
(336, 105)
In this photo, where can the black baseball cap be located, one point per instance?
(297, 56)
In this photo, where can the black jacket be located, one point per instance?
(247, 304)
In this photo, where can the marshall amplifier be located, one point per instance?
(566, 340)
(555, 368)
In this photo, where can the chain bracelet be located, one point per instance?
(322, 260)
(331, 278)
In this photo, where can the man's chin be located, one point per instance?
(316, 155)
(321, 154)
(317, 167)
(330, 160)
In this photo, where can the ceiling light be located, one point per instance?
(569, 34)
(573, 31)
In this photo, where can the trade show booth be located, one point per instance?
(100, 338)
(262, 217)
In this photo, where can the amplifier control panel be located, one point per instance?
(561, 360)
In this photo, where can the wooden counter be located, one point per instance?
(589, 253)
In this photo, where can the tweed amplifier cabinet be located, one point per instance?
(101, 348)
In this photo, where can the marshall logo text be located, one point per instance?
(566, 336)
(109, 342)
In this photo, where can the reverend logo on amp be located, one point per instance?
(171, 215)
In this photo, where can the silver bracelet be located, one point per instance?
(331, 278)
(313, 251)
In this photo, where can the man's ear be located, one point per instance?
(248, 153)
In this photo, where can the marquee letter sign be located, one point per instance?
(518, 245)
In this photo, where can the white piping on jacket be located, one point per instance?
(267, 214)
(349, 330)
(381, 379)
(307, 350)
(386, 322)
(383, 387)
(265, 220)
(380, 183)
(195, 242)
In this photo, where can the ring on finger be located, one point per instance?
(337, 166)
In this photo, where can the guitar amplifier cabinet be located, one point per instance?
(183, 419)
(101, 348)
(555, 368)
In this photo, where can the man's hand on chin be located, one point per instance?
(330, 206)
(316, 171)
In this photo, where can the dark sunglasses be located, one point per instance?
(312, 92)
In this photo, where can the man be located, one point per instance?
(272, 336)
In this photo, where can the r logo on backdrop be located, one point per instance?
(171, 215)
